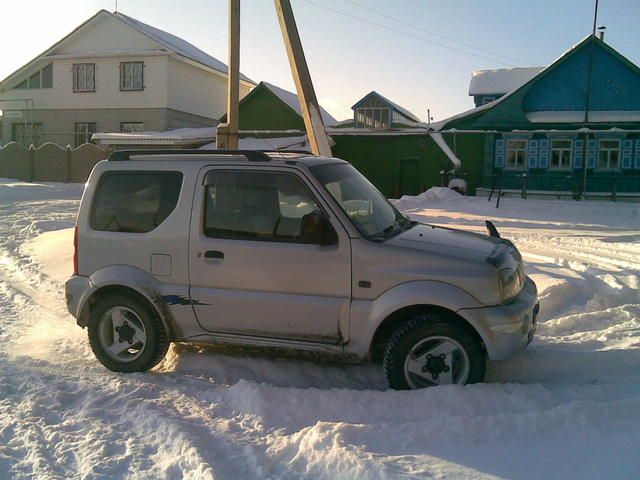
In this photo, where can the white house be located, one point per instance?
(113, 74)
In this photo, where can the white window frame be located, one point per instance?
(131, 127)
(84, 77)
(562, 150)
(520, 154)
(82, 133)
(365, 117)
(608, 151)
(131, 81)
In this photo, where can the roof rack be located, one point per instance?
(251, 155)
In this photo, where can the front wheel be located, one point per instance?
(427, 351)
(126, 334)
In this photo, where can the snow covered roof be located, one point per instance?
(171, 137)
(394, 105)
(167, 41)
(299, 142)
(291, 99)
(176, 44)
(500, 81)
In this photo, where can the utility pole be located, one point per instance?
(318, 139)
(227, 133)
(587, 103)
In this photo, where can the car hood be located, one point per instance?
(446, 242)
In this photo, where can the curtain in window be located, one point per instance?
(131, 76)
(84, 77)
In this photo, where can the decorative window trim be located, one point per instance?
(568, 149)
(519, 165)
(608, 149)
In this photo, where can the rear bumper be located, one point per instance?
(76, 291)
(507, 329)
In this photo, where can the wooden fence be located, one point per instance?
(49, 162)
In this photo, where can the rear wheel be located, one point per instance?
(428, 350)
(126, 334)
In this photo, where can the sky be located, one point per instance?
(418, 53)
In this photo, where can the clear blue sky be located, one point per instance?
(402, 57)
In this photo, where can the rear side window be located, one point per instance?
(134, 201)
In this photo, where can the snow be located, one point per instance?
(501, 80)
(566, 408)
(171, 137)
(577, 116)
(438, 138)
(176, 44)
(292, 100)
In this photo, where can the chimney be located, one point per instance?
(601, 30)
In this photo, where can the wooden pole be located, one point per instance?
(233, 82)
(318, 139)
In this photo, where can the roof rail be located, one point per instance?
(251, 155)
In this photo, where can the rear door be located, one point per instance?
(254, 269)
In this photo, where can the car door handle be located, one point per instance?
(214, 254)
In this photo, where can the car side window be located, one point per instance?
(134, 201)
(262, 206)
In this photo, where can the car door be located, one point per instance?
(254, 268)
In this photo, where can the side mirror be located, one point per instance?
(328, 235)
(316, 228)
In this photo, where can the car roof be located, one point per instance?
(287, 157)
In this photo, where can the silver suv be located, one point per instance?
(287, 251)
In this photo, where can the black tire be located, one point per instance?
(418, 329)
(157, 341)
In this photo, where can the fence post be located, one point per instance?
(32, 152)
(68, 163)
(613, 189)
(443, 180)
(524, 186)
(500, 185)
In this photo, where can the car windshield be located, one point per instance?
(371, 213)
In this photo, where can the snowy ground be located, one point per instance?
(568, 407)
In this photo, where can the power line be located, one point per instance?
(407, 34)
(411, 25)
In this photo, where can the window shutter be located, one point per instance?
(500, 145)
(627, 150)
(543, 154)
(592, 152)
(636, 161)
(578, 153)
(532, 153)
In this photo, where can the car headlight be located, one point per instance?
(509, 280)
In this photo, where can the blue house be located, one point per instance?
(572, 127)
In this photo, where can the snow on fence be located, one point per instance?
(49, 162)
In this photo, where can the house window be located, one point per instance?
(41, 79)
(84, 77)
(561, 154)
(516, 154)
(26, 135)
(372, 117)
(131, 127)
(83, 132)
(131, 76)
(47, 76)
(609, 154)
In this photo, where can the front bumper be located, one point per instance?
(507, 329)
(76, 291)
